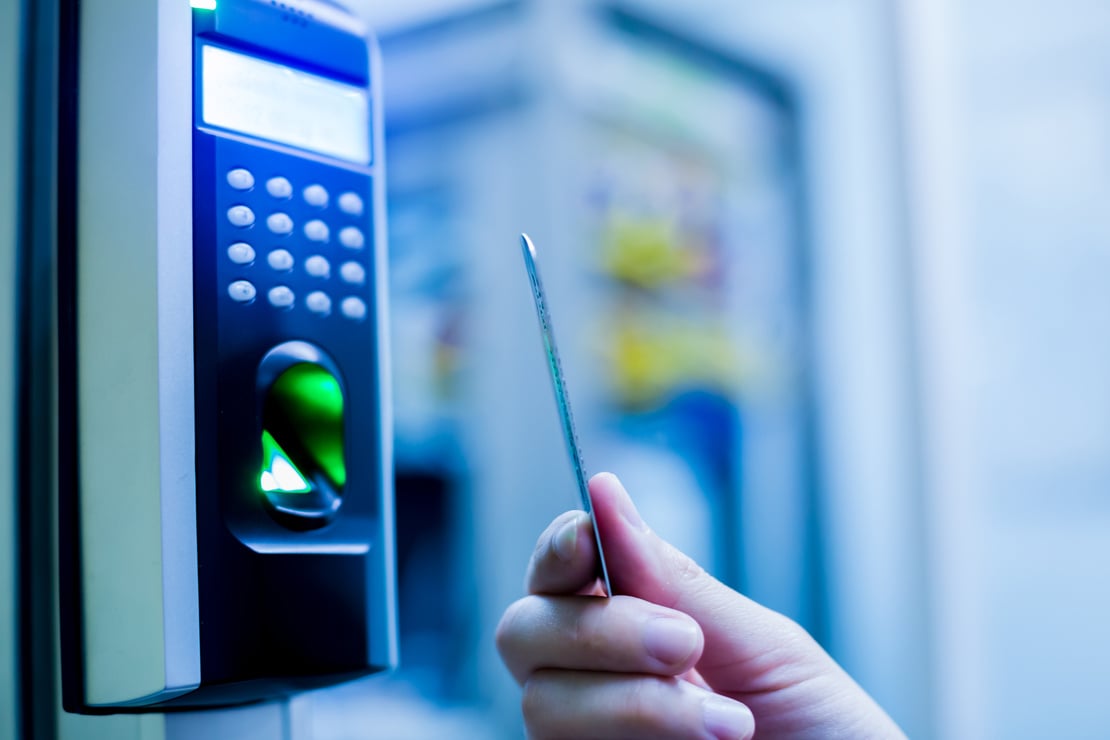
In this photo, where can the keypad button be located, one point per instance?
(316, 195)
(351, 237)
(280, 259)
(240, 216)
(240, 179)
(279, 187)
(281, 297)
(242, 291)
(316, 231)
(280, 223)
(353, 308)
(350, 203)
(241, 253)
(317, 266)
(318, 302)
(353, 273)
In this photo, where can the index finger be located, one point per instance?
(565, 559)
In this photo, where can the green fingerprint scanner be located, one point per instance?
(303, 468)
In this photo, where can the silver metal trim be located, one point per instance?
(140, 620)
(388, 611)
(176, 381)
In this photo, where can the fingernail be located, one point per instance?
(670, 641)
(624, 503)
(726, 719)
(565, 542)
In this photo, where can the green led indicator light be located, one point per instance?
(302, 433)
(279, 474)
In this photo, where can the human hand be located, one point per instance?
(677, 654)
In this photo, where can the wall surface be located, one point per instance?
(1009, 121)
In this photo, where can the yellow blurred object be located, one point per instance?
(650, 361)
(645, 252)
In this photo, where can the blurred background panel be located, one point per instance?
(714, 193)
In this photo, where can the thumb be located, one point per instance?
(746, 644)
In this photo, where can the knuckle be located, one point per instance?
(682, 569)
(686, 568)
(594, 630)
(582, 631)
(647, 705)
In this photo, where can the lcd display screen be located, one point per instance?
(285, 105)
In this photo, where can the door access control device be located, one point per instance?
(226, 517)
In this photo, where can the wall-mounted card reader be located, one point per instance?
(226, 485)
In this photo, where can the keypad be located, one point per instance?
(240, 179)
(317, 231)
(242, 291)
(281, 296)
(353, 273)
(241, 253)
(316, 195)
(280, 188)
(240, 216)
(318, 302)
(317, 266)
(353, 308)
(350, 204)
(279, 223)
(352, 238)
(305, 230)
(280, 259)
